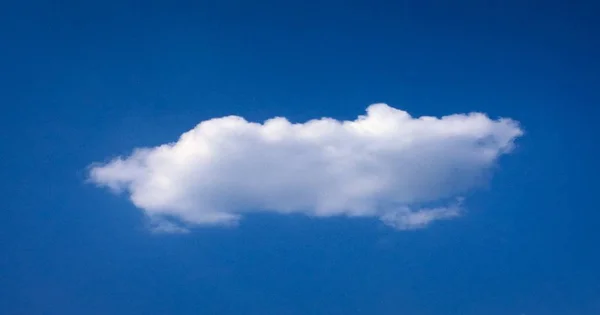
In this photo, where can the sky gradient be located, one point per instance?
(84, 83)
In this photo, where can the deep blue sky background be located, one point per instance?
(84, 81)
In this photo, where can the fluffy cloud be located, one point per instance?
(385, 164)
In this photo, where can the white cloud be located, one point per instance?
(385, 164)
(406, 219)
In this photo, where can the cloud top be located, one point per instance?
(384, 164)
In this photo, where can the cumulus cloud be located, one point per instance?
(385, 164)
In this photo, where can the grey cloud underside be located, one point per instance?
(385, 164)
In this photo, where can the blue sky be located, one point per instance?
(82, 83)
